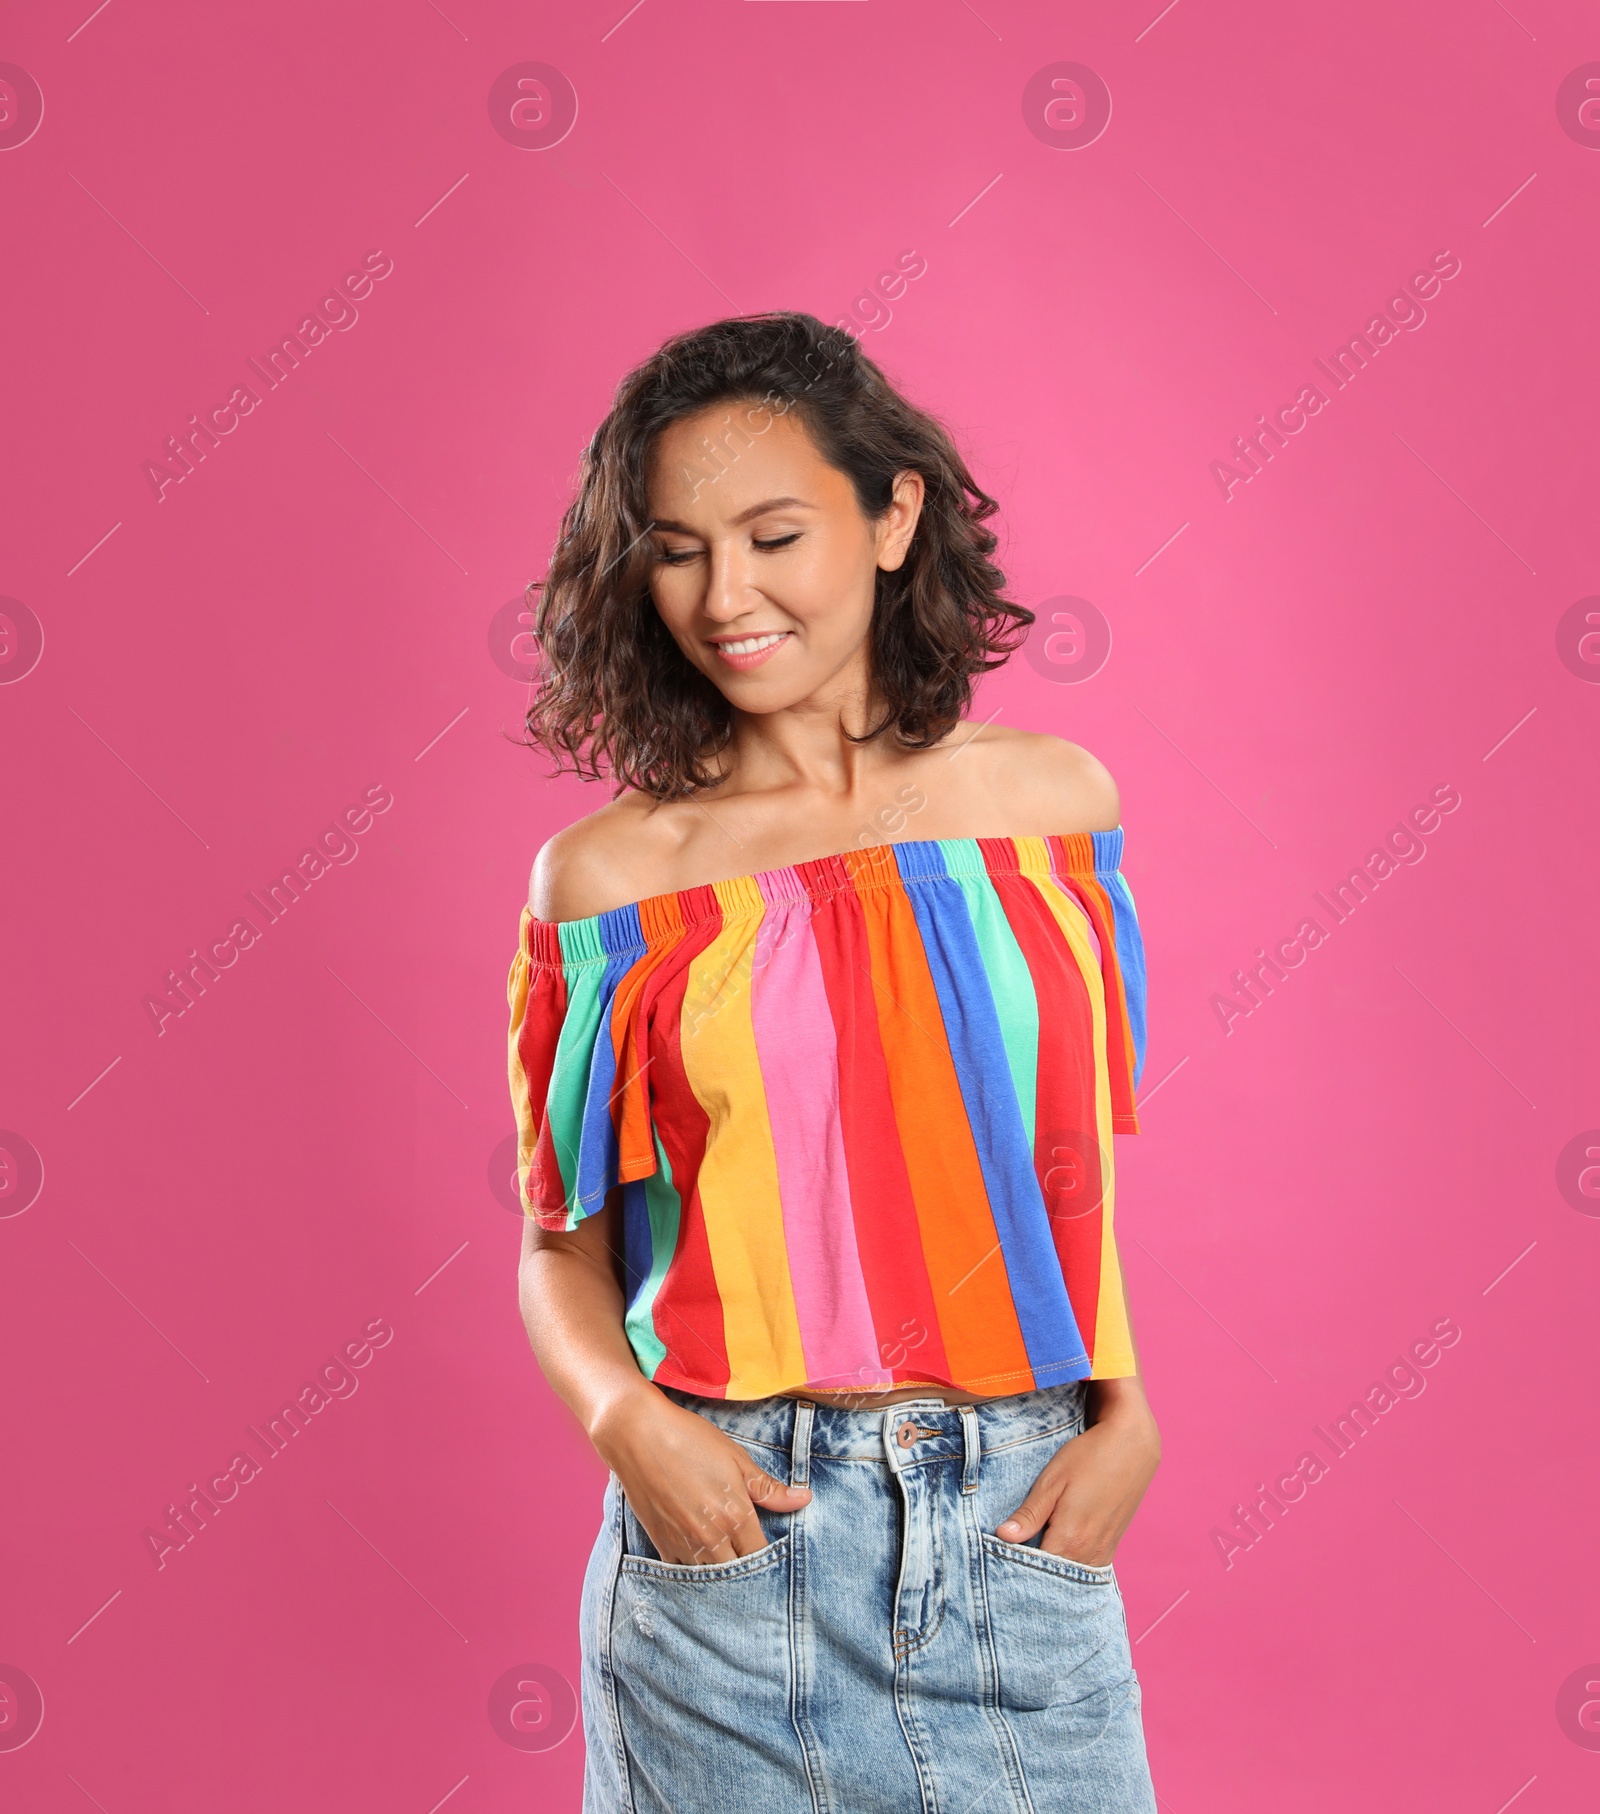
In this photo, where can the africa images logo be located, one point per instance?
(21, 106)
(337, 1378)
(1252, 452)
(335, 313)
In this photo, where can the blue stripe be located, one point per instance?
(637, 1247)
(1130, 941)
(977, 1047)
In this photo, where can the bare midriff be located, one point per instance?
(867, 1401)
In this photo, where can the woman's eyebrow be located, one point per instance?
(744, 516)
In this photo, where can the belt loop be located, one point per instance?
(800, 1443)
(972, 1448)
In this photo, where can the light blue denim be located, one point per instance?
(886, 1653)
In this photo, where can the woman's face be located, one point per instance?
(765, 566)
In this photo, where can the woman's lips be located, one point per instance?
(750, 651)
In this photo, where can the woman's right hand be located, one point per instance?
(691, 1486)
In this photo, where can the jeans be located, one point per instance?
(886, 1653)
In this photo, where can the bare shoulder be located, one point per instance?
(1047, 781)
(604, 860)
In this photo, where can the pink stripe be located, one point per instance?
(798, 1051)
(1062, 887)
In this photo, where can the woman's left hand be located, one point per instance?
(1091, 1487)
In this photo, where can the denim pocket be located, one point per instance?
(1033, 1552)
(641, 1557)
(694, 1644)
(767, 1557)
(1060, 1638)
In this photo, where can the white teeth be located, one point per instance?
(749, 645)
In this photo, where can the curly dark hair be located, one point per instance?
(615, 694)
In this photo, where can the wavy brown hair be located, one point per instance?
(617, 697)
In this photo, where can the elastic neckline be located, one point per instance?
(898, 862)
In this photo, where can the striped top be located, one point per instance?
(858, 1113)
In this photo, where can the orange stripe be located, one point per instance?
(661, 922)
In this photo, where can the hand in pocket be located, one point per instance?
(692, 1487)
(1088, 1491)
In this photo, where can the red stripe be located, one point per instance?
(687, 1310)
(1074, 857)
(537, 1039)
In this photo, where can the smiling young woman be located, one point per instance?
(817, 1130)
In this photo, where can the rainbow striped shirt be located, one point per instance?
(858, 1112)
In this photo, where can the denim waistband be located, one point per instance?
(873, 1434)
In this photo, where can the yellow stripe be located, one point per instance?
(527, 1121)
(1113, 1344)
(739, 1175)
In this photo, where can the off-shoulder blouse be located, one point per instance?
(858, 1113)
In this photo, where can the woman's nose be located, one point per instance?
(726, 585)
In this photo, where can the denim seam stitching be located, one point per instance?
(736, 1570)
(800, 1673)
(910, 1731)
(1041, 1562)
(608, 1674)
(993, 1711)
(901, 1468)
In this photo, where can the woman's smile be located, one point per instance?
(749, 651)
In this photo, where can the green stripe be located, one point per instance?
(569, 1075)
(665, 1207)
(1011, 985)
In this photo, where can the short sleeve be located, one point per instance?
(1130, 960)
(574, 1066)
(1092, 865)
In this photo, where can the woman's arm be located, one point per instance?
(692, 1488)
(572, 1305)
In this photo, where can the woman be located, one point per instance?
(820, 1032)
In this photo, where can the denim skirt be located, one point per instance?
(886, 1653)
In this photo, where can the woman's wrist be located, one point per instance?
(617, 1412)
(1120, 1401)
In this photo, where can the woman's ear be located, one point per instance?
(898, 523)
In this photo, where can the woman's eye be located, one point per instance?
(680, 557)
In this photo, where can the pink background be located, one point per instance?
(307, 615)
